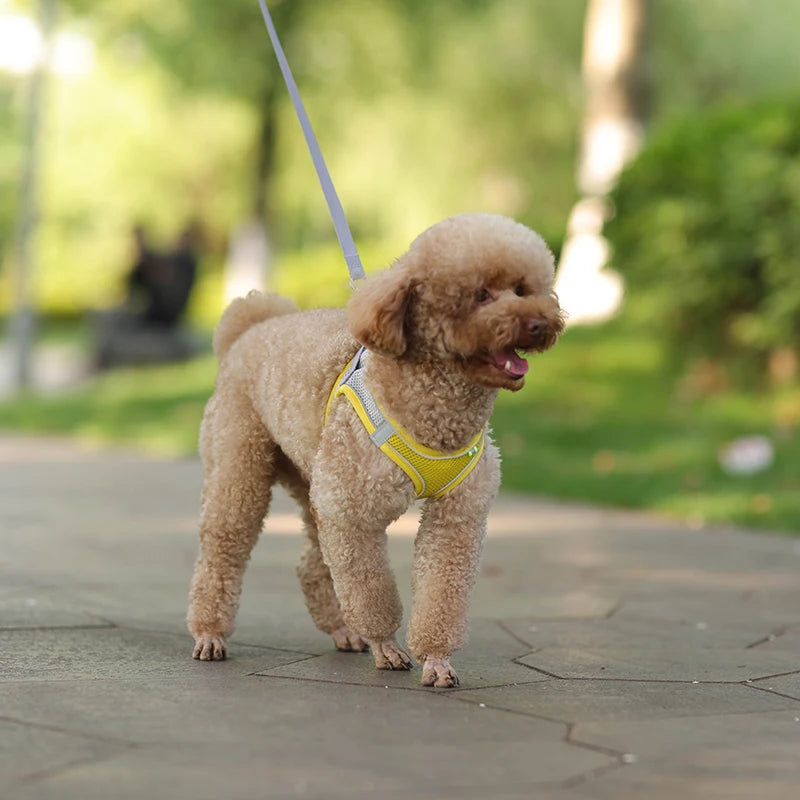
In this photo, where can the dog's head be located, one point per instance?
(474, 290)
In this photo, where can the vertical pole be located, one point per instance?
(22, 320)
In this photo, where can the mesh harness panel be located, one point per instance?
(432, 472)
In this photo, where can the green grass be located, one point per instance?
(600, 420)
(157, 409)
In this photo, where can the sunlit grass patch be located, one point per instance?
(600, 420)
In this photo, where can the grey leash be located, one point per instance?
(346, 242)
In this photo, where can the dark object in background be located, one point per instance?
(146, 328)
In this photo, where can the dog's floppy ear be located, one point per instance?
(377, 310)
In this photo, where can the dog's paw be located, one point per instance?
(389, 655)
(438, 672)
(346, 640)
(209, 648)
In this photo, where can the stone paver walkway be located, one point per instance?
(612, 656)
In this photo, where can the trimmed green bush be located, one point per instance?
(707, 227)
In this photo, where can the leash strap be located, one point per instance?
(351, 257)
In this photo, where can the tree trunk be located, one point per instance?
(612, 130)
(250, 252)
(22, 324)
(265, 154)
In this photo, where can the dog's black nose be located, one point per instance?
(537, 329)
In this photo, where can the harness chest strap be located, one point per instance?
(432, 472)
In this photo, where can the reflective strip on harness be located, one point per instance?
(432, 472)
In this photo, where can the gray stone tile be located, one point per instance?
(657, 664)
(283, 737)
(43, 608)
(89, 654)
(724, 756)
(501, 593)
(632, 649)
(112, 536)
(759, 610)
(625, 632)
(28, 751)
(788, 685)
(486, 660)
(785, 641)
(696, 782)
(589, 700)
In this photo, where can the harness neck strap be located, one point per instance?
(433, 472)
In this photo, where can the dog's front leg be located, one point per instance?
(447, 555)
(352, 538)
(356, 556)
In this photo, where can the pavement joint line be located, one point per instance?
(278, 649)
(460, 690)
(536, 669)
(416, 688)
(100, 617)
(572, 724)
(597, 748)
(612, 612)
(770, 637)
(267, 674)
(503, 627)
(49, 772)
(68, 731)
(183, 635)
(776, 675)
(279, 666)
(773, 691)
(646, 680)
(592, 774)
(611, 752)
(518, 713)
(569, 727)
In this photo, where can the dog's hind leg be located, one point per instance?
(315, 577)
(238, 459)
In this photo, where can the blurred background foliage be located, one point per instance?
(425, 109)
(722, 190)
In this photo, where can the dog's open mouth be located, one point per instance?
(509, 363)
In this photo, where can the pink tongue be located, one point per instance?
(511, 363)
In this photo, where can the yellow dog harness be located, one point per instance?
(432, 472)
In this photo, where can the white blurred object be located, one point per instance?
(23, 48)
(747, 455)
(614, 88)
(21, 43)
(248, 260)
(587, 291)
(73, 55)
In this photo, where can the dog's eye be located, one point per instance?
(520, 291)
(482, 295)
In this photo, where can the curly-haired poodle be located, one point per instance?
(359, 412)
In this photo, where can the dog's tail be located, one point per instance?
(243, 313)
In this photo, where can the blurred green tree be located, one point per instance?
(706, 229)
